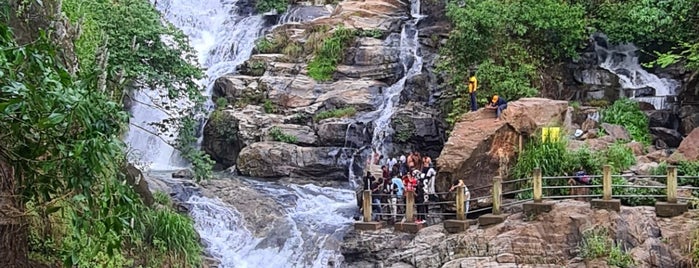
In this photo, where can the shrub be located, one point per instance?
(269, 107)
(627, 113)
(404, 129)
(221, 103)
(293, 49)
(263, 6)
(278, 135)
(596, 243)
(329, 54)
(343, 112)
(620, 157)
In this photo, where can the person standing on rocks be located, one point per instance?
(498, 104)
(472, 87)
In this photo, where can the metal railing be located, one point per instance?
(406, 205)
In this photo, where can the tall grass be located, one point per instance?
(627, 113)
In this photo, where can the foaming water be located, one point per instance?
(622, 60)
(308, 235)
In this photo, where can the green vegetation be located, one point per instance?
(628, 114)
(509, 45)
(263, 6)
(509, 41)
(63, 187)
(278, 135)
(122, 45)
(330, 53)
(597, 244)
(269, 106)
(221, 103)
(226, 127)
(404, 129)
(335, 113)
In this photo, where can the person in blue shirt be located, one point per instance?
(396, 189)
(498, 104)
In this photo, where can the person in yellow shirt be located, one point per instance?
(472, 87)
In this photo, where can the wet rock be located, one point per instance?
(671, 137)
(238, 89)
(662, 118)
(222, 139)
(616, 131)
(689, 119)
(183, 174)
(418, 128)
(135, 178)
(689, 148)
(344, 132)
(636, 147)
(277, 159)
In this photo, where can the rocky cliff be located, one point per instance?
(551, 240)
(282, 122)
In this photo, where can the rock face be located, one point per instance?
(689, 148)
(222, 139)
(480, 148)
(274, 90)
(551, 239)
(278, 159)
(670, 137)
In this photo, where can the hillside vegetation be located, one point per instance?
(510, 44)
(64, 195)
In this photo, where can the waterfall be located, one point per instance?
(411, 60)
(222, 39)
(308, 235)
(622, 60)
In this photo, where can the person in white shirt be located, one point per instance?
(467, 194)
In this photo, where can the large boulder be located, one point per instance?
(616, 131)
(277, 159)
(662, 118)
(222, 139)
(480, 148)
(670, 137)
(251, 120)
(238, 89)
(418, 128)
(135, 178)
(689, 118)
(689, 148)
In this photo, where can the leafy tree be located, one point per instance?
(508, 42)
(126, 44)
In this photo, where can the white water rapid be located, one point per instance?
(622, 60)
(309, 235)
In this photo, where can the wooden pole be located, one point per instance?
(460, 203)
(366, 205)
(537, 186)
(497, 195)
(519, 146)
(606, 182)
(671, 184)
(409, 205)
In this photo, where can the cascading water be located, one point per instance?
(411, 60)
(309, 235)
(310, 231)
(223, 39)
(622, 60)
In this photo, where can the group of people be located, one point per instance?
(412, 173)
(497, 103)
